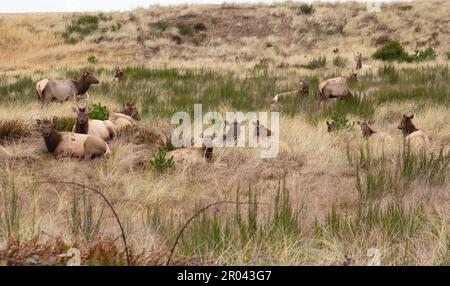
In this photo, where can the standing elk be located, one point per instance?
(63, 90)
(103, 129)
(69, 144)
(411, 133)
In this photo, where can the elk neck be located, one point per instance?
(82, 128)
(81, 86)
(409, 128)
(52, 140)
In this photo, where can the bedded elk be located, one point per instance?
(69, 144)
(127, 117)
(304, 90)
(194, 154)
(412, 134)
(103, 129)
(368, 132)
(63, 90)
(334, 88)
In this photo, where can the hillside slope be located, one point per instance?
(219, 36)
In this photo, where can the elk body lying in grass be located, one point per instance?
(63, 90)
(334, 88)
(368, 132)
(69, 144)
(413, 135)
(103, 129)
(261, 132)
(126, 118)
(193, 154)
(304, 90)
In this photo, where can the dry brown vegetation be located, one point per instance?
(329, 199)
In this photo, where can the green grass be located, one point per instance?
(98, 111)
(63, 123)
(160, 93)
(186, 30)
(160, 163)
(317, 63)
(339, 61)
(394, 51)
(378, 177)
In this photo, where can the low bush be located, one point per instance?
(98, 111)
(159, 162)
(12, 129)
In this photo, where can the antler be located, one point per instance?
(77, 101)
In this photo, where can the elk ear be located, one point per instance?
(411, 117)
(38, 122)
(358, 122)
(328, 123)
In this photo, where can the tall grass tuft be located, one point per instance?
(83, 221)
(10, 216)
(13, 129)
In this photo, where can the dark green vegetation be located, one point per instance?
(317, 63)
(394, 51)
(159, 162)
(81, 27)
(98, 111)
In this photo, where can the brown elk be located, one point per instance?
(62, 90)
(127, 117)
(411, 133)
(334, 88)
(194, 154)
(119, 74)
(69, 144)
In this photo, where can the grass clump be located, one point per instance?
(78, 29)
(98, 111)
(83, 221)
(92, 59)
(12, 129)
(306, 9)
(316, 63)
(186, 30)
(63, 123)
(159, 162)
(339, 61)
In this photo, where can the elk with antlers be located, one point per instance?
(103, 129)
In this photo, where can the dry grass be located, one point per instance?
(279, 34)
(409, 229)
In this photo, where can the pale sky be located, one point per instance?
(20, 6)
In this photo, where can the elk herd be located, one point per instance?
(89, 137)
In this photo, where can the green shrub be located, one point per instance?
(391, 51)
(92, 59)
(186, 30)
(98, 111)
(307, 9)
(159, 162)
(63, 123)
(448, 55)
(116, 27)
(338, 122)
(162, 25)
(425, 55)
(316, 63)
(12, 129)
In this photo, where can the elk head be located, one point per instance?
(131, 110)
(406, 124)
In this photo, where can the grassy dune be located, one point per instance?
(334, 196)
